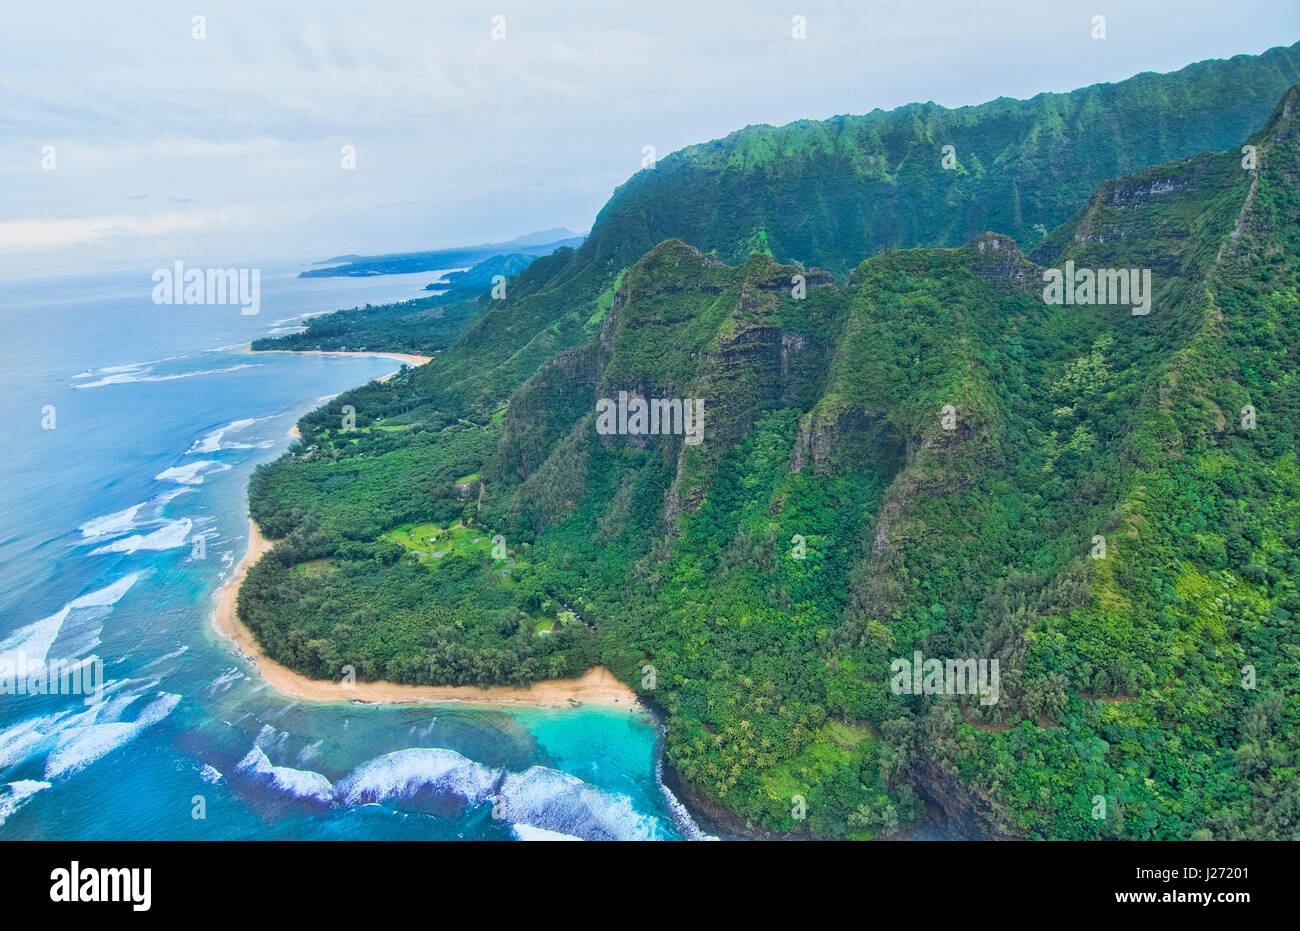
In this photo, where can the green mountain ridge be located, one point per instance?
(923, 458)
(830, 193)
(876, 182)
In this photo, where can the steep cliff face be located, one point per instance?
(684, 328)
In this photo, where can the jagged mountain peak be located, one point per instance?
(1282, 124)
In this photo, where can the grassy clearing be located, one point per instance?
(315, 568)
(845, 736)
(431, 539)
(432, 543)
(544, 625)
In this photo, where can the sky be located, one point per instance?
(132, 136)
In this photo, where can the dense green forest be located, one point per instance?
(920, 456)
(425, 326)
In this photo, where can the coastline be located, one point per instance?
(597, 686)
(410, 359)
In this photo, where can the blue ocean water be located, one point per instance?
(159, 416)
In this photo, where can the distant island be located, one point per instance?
(403, 263)
(425, 325)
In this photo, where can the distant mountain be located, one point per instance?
(480, 276)
(558, 234)
(356, 266)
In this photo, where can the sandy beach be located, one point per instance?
(598, 686)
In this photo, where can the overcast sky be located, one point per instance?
(228, 149)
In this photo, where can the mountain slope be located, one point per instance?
(831, 193)
(924, 458)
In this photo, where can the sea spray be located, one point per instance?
(419, 771)
(300, 784)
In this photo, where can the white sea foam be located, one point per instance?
(106, 596)
(15, 795)
(223, 682)
(79, 738)
(112, 369)
(404, 773)
(34, 640)
(557, 801)
(299, 783)
(78, 747)
(125, 375)
(137, 517)
(213, 441)
(539, 803)
(171, 535)
(111, 524)
(681, 816)
(530, 832)
(29, 738)
(192, 473)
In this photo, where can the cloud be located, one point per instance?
(23, 236)
(463, 138)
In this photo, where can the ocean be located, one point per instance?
(136, 428)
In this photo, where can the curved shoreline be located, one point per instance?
(410, 359)
(598, 686)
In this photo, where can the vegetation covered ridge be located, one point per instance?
(931, 458)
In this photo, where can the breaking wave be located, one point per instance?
(561, 803)
(71, 741)
(35, 640)
(408, 774)
(538, 803)
(192, 473)
(172, 534)
(528, 832)
(215, 440)
(79, 746)
(15, 795)
(299, 783)
(129, 374)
